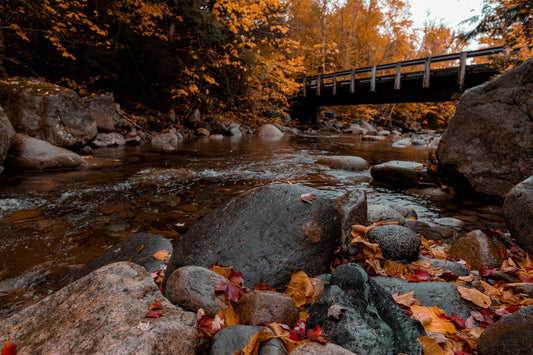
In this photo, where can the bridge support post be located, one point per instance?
(462, 70)
(373, 79)
(427, 72)
(398, 76)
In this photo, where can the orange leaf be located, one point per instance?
(162, 255)
(407, 299)
(471, 294)
(303, 289)
(431, 320)
(229, 316)
(308, 197)
(431, 347)
(221, 270)
(252, 348)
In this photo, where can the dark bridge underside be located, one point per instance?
(443, 87)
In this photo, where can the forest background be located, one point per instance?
(236, 59)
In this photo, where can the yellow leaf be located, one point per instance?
(476, 297)
(431, 347)
(162, 255)
(221, 270)
(430, 319)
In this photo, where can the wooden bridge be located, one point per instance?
(395, 82)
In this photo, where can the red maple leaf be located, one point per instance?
(231, 290)
(419, 275)
(152, 314)
(156, 305)
(448, 276)
(460, 322)
(9, 348)
(236, 277)
(484, 270)
(526, 279)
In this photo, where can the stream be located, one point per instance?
(51, 223)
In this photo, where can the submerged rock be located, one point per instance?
(347, 162)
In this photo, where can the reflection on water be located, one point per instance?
(50, 223)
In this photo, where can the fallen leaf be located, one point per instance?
(236, 277)
(162, 255)
(140, 249)
(430, 317)
(218, 323)
(117, 250)
(308, 198)
(252, 348)
(221, 270)
(231, 290)
(407, 299)
(476, 297)
(9, 348)
(229, 316)
(261, 286)
(486, 271)
(419, 275)
(419, 167)
(152, 314)
(431, 347)
(144, 326)
(156, 305)
(303, 289)
(316, 335)
(200, 314)
(336, 310)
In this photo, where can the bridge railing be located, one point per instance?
(317, 82)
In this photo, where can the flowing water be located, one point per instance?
(51, 223)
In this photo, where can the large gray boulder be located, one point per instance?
(510, 335)
(47, 112)
(104, 112)
(7, 134)
(103, 313)
(518, 213)
(488, 145)
(30, 154)
(269, 131)
(265, 233)
(372, 323)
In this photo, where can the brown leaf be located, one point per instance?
(476, 297)
(431, 347)
(308, 198)
(261, 286)
(336, 310)
(140, 249)
(222, 270)
(156, 305)
(162, 255)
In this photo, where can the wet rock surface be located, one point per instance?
(351, 163)
(518, 212)
(262, 307)
(265, 234)
(401, 173)
(478, 249)
(396, 242)
(7, 134)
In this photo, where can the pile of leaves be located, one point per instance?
(450, 334)
(302, 288)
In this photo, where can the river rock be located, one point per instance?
(354, 129)
(401, 173)
(316, 348)
(402, 143)
(372, 322)
(7, 135)
(456, 268)
(370, 129)
(526, 289)
(137, 249)
(449, 222)
(352, 208)
(104, 140)
(28, 153)
(478, 249)
(261, 307)
(165, 142)
(510, 335)
(234, 338)
(47, 112)
(344, 162)
(269, 131)
(430, 230)
(488, 145)
(396, 242)
(381, 213)
(202, 132)
(265, 233)
(405, 211)
(103, 111)
(440, 294)
(193, 287)
(103, 312)
(518, 213)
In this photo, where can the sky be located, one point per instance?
(451, 12)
